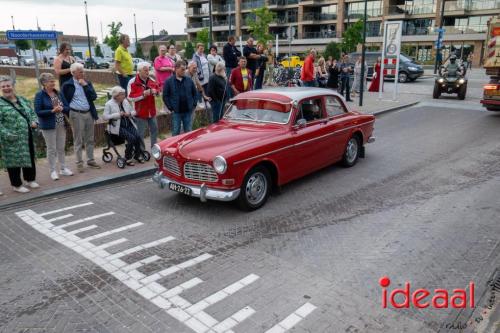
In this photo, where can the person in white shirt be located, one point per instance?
(202, 66)
(213, 59)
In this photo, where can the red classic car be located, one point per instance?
(266, 138)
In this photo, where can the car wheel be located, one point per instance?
(107, 157)
(351, 153)
(462, 92)
(402, 77)
(255, 189)
(437, 92)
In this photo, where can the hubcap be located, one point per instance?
(402, 77)
(256, 188)
(352, 150)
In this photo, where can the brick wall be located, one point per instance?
(103, 76)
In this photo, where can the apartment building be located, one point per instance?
(318, 22)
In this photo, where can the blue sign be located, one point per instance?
(31, 34)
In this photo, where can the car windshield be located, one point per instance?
(255, 110)
(404, 58)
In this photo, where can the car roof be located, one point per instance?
(286, 94)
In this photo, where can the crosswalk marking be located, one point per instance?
(90, 218)
(65, 209)
(169, 300)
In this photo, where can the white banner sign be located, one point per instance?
(391, 50)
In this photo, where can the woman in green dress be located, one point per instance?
(17, 150)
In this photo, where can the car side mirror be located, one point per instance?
(301, 123)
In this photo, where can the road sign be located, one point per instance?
(290, 32)
(31, 34)
(391, 49)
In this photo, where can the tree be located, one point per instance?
(332, 50)
(153, 52)
(138, 51)
(352, 36)
(98, 51)
(113, 39)
(171, 42)
(42, 45)
(259, 26)
(163, 32)
(202, 36)
(23, 44)
(188, 50)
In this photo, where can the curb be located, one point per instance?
(95, 182)
(394, 108)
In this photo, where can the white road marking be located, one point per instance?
(60, 217)
(141, 247)
(192, 315)
(293, 319)
(83, 220)
(66, 208)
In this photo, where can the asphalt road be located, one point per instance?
(422, 207)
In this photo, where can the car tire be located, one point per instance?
(351, 152)
(437, 92)
(462, 92)
(402, 77)
(255, 189)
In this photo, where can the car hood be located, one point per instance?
(225, 138)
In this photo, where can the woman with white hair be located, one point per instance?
(217, 91)
(120, 113)
(17, 150)
(49, 109)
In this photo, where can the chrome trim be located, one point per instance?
(303, 142)
(203, 192)
(202, 172)
(371, 139)
(171, 165)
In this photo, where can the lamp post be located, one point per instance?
(210, 23)
(363, 53)
(12, 19)
(439, 43)
(88, 32)
(153, 31)
(135, 31)
(57, 42)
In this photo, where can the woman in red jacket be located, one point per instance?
(142, 91)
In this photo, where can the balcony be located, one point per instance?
(460, 30)
(285, 20)
(319, 17)
(197, 11)
(283, 2)
(360, 13)
(318, 34)
(195, 25)
(252, 4)
(452, 8)
(221, 9)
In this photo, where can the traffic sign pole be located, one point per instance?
(37, 70)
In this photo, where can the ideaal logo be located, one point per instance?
(422, 298)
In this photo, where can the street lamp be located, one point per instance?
(12, 18)
(88, 31)
(210, 23)
(363, 53)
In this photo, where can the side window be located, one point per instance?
(334, 106)
(311, 110)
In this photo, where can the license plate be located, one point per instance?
(492, 92)
(179, 188)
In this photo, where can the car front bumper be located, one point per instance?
(202, 192)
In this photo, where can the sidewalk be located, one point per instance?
(110, 173)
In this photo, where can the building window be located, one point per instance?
(418, 27)
(357, 9)
(420, 7)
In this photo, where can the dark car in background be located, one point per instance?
(409, 70)
(96, 63)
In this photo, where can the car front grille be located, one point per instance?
(200, 172)
(171, 165)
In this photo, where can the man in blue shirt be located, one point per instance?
(78, 96)
(180, 96)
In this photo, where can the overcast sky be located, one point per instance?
(69, 15)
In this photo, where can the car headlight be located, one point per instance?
(156, 151)
(461, 81)
(441, 80)
(414, 69)
(220, 164)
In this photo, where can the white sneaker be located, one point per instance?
(33, 184)
(66, 172)
(21, 189)
(54, 175)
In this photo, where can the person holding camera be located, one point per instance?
(142, 90)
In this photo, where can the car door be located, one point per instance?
(338, 125)
(308, 150)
